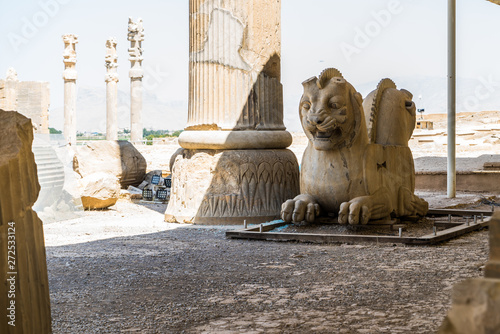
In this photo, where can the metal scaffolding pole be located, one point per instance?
(451, 165)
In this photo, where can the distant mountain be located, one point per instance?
(472, 95)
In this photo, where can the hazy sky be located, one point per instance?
(366, 40)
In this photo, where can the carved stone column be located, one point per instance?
(111, 78)
(135, 36)
(234, 165)
(70, 76)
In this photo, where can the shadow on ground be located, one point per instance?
(192, 279)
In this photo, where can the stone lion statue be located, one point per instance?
(357, 164)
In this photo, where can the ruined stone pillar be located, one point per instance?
(234, 165)
(24, 288)
(70, 76)
(8, 91)
(135, 36)
(111, 78)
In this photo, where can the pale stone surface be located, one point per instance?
(492, 269)
(236, 105)
(70, 76)
(387, 122)
(476, 308)
(99, 190)
(8, 91)
(136, 73)
(235, 185)
(119, 158)
(218, 140)
(29, 98)
(19, 190)
(348, 169)
(11, 74)
(33, 101)
(235, 50)
(111, 79)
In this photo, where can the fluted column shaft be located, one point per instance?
(111, 79)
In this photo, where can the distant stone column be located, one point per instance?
(111, 78)
(135, 36)
(234, 166)
(70, 76)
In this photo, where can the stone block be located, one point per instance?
(18, 222)
(229, 186)
(492, 269)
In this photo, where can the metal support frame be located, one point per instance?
(451, 161)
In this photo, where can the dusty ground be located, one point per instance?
(124, 270)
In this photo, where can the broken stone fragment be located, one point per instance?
(119, 158)
(99, 191)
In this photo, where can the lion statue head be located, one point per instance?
(331, 111)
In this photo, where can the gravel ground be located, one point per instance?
(124, 270)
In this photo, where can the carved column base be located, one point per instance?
(225, 187)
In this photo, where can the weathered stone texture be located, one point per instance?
(99, 191)
(29, 98)
(476, 308)
(492, 269)
(233, 186)
(70, 75)
(235, 104)
(33, 100)
(235, 65)
(18, 191)
(111, 78)
(8, 95)
(357, 164)
(476, 302)
(119, 158)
